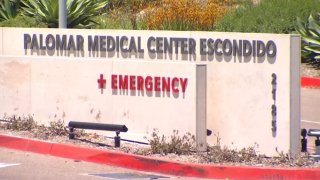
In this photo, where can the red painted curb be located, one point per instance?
(155, 165)
(310, 81)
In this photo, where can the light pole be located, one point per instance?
(62, 13)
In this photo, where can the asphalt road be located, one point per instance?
(310, 108)
(310, 112)
(20, 165)
(17, 165)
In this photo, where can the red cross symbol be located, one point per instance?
(101, 83)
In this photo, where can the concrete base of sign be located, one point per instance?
(145, 96)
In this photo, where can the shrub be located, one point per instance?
(112, 21)
(27, 123)
(125, 14)
(79, 12)
(9, 9)
(175, 144)
(20, 123)
(22, 21)
(58, 128)
(268, 16)
(216, 154)
(310, 37)
(186, 15)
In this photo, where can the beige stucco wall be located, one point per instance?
(50, 90)
(239, 94)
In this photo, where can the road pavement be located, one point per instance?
(310, 108)
(310, 112)
(18, 165)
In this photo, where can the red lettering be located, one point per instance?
(114, 81)
(183, 83)
(157, 83)
(132, 82)
(148, 83)
(174, 84)
(123, 82)
(166, 84)
(140, 83)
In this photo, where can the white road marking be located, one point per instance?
(313, 122)
(2, 165)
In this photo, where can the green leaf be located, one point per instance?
(314, 24)
(313, 49)
(314, 33)
(9, 9)
(80, 12)
(311, 40)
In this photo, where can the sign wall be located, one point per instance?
(252, 95)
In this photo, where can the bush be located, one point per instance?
(186, 15)
(113, 22)
(164, 14)
(268, 16)
(216, 154)
(79, 12)
(125, 14)
(22, 21)
(310, 39)
(27, 123)
(19, 123)
(175, 144)
(8, 9)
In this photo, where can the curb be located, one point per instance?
(310, 81)
(143, 163)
